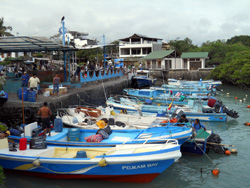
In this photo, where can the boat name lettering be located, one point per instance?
(134, 167)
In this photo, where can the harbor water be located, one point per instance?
(191, 171)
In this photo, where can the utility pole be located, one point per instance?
(104, 59)
(64, 53)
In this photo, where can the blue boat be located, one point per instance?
(143, 79)
(159, 96)
(192, 112)
(130, 136)
(200, 82)
(138, 163)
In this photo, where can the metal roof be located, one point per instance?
(158, 54)
(30, 44)
(194, 55)
(135, 35)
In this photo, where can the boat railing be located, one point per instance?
(145, 145)
(168, 124)
(116, 98)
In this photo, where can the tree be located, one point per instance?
(90, 54)
(243, 39)
(182, 45)
(4, 29)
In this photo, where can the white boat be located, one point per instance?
(85, 118)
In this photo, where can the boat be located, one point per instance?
(143, 78)
(192, 110)
(138, 163)
(156, 133)
(160, 97)
(172, 81)
(85, 118)
(202, 143)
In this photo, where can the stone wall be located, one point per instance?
(181, 74)
(91, 94)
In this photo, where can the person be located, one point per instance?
(197, 125)
(140, 66)
(56, 83)
(2, 93)
(45, 113)
(183, 119)
(25, 79)
(33, 82)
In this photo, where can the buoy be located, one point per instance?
(245, 123)
(102, 163)
(236, 97)
(246, 95)
(234, 151)
(248, 106)
(36, 163)
(240, 100)
(227, 152)
(228, 93)
(221, 90)
(216, 172)
(244, 99)
(248, 124)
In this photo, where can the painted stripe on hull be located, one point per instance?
(139, 178)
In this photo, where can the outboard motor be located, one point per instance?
(36, 131)
(220, 108)
(38, 143)
(177, 114)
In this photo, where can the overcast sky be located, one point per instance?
(200, 20)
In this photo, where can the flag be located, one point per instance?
(177, 94)
(170, 106)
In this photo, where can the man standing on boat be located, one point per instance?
(197, 125)
(45, 113)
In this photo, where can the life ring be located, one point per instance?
(28, 113)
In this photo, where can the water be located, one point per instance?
(186, 173)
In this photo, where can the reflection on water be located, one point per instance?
(187, 172)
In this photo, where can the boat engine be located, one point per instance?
(219, 107)
(177, 114)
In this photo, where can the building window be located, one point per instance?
(136, 51)
(154, 64)
(159, 64)
(148, 64)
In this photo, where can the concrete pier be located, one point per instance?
(91, 93)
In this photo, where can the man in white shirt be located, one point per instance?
(33, 82)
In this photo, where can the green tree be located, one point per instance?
(182, 45)
(4, 29)
(90, 54)
(243, 39)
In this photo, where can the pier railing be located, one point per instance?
(91, 76)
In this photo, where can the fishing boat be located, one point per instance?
(172, 81)
(143, 78)
(202, 143)
(85, 118)
(140, 163)
(77, 137)
(161, 97)
(193, 110)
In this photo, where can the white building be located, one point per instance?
(171, 59)
(79, 39)
(163, 60)
(137, 46)
(194, 60)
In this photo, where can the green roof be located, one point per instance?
(194, 55)
(158, 54)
